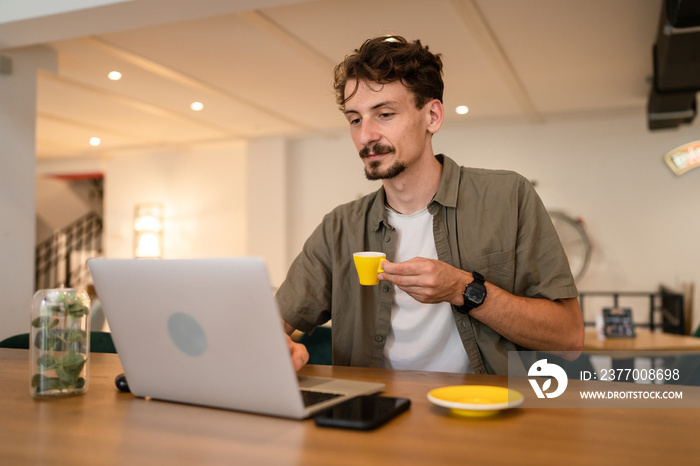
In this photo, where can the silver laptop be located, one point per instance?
(208, 332)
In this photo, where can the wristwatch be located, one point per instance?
(474, 294)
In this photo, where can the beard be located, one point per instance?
(372, 171)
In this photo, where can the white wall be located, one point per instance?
(642, 219)
(17, 176)
(267, 204)
(610, 172)
(57, 205)
(324, 172)
(203, 191)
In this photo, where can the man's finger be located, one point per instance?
(410, 267)
(400, 280)
(298, 353)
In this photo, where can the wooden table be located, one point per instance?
(644, 341)
(107, 427)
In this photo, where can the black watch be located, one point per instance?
(474, 294)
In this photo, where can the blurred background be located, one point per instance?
(221, 115)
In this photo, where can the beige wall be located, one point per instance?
(17, 169)
(642, 219)
(235, 200)
(203, 192)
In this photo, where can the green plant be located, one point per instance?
(61, 341)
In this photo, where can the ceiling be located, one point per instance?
(268, 71)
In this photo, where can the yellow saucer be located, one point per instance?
(475, 400)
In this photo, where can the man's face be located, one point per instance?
(389, 132)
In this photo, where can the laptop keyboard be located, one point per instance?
(311, 397)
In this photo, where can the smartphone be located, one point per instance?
(363, 412)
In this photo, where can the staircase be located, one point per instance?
(61, 259)
(69, 230)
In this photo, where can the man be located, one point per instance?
(474, 266)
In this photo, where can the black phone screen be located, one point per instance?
(363, 412)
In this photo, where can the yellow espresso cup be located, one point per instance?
(368, 265)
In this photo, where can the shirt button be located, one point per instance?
(385, 288)
(378, 338)
(387, 238)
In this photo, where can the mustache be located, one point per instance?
(376, 149)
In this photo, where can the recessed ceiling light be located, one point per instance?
(114, 75)
(94, 141)
(462, 110)
(197, 106)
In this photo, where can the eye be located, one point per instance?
(354, 121)
(386, 115)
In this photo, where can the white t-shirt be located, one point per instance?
(422, 336)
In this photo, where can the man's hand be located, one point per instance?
(534, 323)
(298, 352)
(427, 280)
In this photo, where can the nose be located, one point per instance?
(368, 132)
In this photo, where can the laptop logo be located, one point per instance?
(187, 334)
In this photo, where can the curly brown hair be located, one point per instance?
(386, 59)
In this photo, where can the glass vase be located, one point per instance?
(59, 342)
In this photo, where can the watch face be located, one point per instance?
(475, 295)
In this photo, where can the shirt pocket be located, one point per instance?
(497, 268)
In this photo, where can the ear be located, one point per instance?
(435, 115)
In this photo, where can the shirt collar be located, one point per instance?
(446, 195)
(448, 189)
(377, 211)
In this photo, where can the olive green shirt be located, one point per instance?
(489, 221)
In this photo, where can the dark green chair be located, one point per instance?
(100, 342)
(319, 346)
